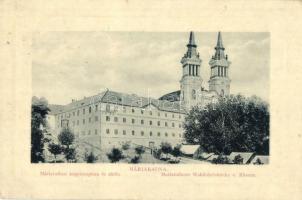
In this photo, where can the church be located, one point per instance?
(113, 118)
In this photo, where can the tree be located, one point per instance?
(238, 160)
(39, 111)
(234, 123)
(115, 155)
(90, 157)
(55, 149)
(139, 150)
(66, 138)
(166, 147)
(176, 151)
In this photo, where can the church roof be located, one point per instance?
(192, 40)
(123, 99)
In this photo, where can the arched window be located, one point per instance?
(222, 92)
(193, 94)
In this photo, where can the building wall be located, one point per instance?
(111, 125)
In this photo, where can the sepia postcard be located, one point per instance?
(151, 100)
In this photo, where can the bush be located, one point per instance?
(126, 146)
(55, 149)
(258, 162)
(115, 155)
(221, 159)
(90, 157)
(166, 147)
(139, 150)
(176, 151)
(135, 159)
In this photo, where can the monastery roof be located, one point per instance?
(172, 96)
(189, 149)
(124, 99)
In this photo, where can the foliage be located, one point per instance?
(126, 146)
(90, 157)
(55, 149)
(115, 155)
(234, 123)
(139, 150)
(66, 137)
(166, 147)
(39, 110)
(221, 159)
(156, 153)
(135, 159)
(176, 151)
(238, 160)
(70, 154)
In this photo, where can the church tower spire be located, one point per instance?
(219, 80)
(191, 81)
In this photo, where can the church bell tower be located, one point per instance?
(190, 83)
(219, 80)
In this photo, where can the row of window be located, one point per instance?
(109, 108)
(115, 119)
(124, 132)
(142, 133)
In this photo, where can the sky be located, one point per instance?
(71, 65)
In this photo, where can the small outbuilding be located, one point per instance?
(246, 156)
(260, 159)
(190, 150)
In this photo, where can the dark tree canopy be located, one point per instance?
(115, 155)
(66, 137)
(234, 123)
(166, 147)
(39, 110)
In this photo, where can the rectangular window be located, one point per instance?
(107, 118)
(142, 133)
(89, 119)
(78, 122)
(173, 134)
(150, 122)
(179, 116)
(78, 112)
(158, 123)
(166, 115)
(133, 121)
(89, 132)
(142, 111)
(83, 121)
(96, 108)
(95, 131)
(142, 121)
(115, 119)
(133, 132)
(83, 111)
(179, 125)
(124, 132)
(107, 131)
(158, 114)
(166, 124)
(124, 120)
(173, 125)
(166, 134)
(180, 135)
(89, 109)
(158, 134)
(133, 110)
(150, 133)
(115, 131)
(150, 112)
(96, 118)
(107, 108)
(124, 109)
(172, 115)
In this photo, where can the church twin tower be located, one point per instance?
(192, 92)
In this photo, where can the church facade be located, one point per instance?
(112, 118)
